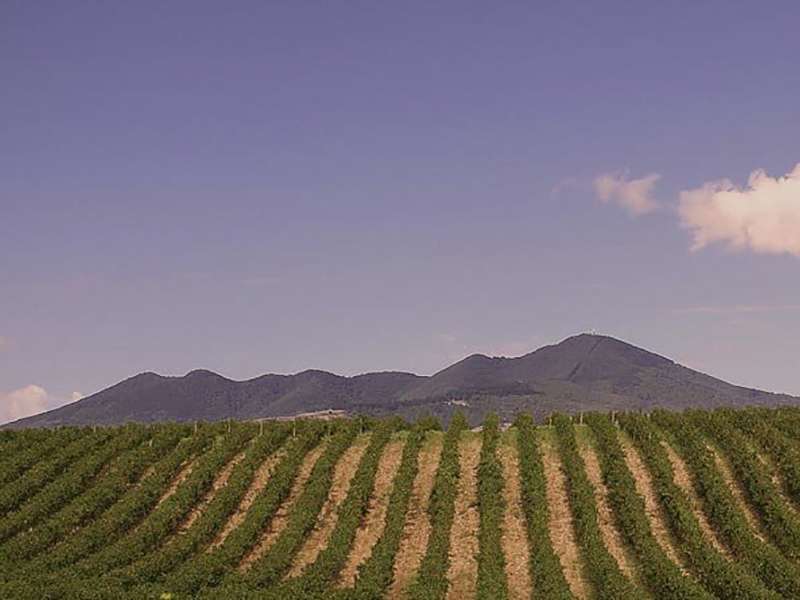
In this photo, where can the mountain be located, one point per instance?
(582, 373)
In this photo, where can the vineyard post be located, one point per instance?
(261, 428)
(580, 418)
(195, 426)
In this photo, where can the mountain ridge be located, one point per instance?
(581, 373)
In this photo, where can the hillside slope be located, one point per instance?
(584, 372)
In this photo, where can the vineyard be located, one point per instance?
(661, 505)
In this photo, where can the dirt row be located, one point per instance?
(605, 516)
(684, 481)
(281, 518)
(260, 479)
(778, 481)
(183, 474)
(655, 514)
(342, 476)
(463, 572)
(735, 487)
(417, 528)
(515, 536)
(374, 521)
(219, 482)
(562, 532)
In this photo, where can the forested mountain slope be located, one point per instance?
(584, 372)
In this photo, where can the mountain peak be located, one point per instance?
(589, 339)
(146, 378)
(146, 375)
(476, 358)
(203, 374)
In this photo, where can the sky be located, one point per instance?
(258, 187)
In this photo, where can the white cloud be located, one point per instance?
(634, 195)
(27, 401)
(4, 343)
(30, 400)
(763, 216)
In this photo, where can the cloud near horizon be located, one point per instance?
(763, 216)
(634, 195)
(29, 400)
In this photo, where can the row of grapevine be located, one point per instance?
(431, 579)
(207, 570)
(602, 569)
(122, 474)
(69, 484)
(661, 575)
(48, 569)
(317, 578)
(784, 451)
(761, 559)
(156, 564)
(276, 562)
(29, 447)
(725, 579)
(780, 522)
(375, 574)
(546, 573)
(121, 517)
(162, 522)
(492, 583)
(13, 494)
(139, 511)
(785, 419)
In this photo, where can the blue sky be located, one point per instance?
(362, 186)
